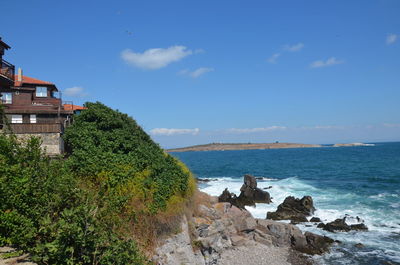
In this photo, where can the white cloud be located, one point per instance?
(155, 58)
(294, 48)
(391, 38)
(255, 130)
(75, 91)
(196, 73)
(200, 71)
(274, 57)
(329, 62)
(172, 131)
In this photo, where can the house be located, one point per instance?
(33, 107)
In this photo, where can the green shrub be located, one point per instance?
(110, 196)
(104, 142)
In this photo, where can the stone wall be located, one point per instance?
(52, 143)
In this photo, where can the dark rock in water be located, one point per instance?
(321, 225)
(315, 220)
(267, 188)
(259, 178)
(249, 194)
(293, 209)
(317, 244)
(204, 180)
(359, 245)
(250, 181)
(227, 196)
(359, 227)
(341, 225)
(337, 225)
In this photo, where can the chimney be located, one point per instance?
(19, 77)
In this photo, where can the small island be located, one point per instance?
(241, 146)
(352, 144)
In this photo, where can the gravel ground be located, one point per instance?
(255, 255)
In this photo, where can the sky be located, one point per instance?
(195, 72)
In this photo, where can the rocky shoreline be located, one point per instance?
(222, 231)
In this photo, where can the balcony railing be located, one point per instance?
(7, 70)
(37, 127)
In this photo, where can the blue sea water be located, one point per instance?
(361, 181)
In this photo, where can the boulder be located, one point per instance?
(178, 250)
(341, 225)
(249, 194)
(250, 181)
(282, 234)
(337, 225)
(315, 220)
(317, 244)
(290, 235)
(293, 209)
(227, 196)
(359, 227)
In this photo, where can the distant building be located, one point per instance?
(33, 107)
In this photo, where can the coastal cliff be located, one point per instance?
(220, 233)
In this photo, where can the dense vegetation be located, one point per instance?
(112, 195)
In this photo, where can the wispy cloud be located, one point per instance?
(173, 131)
(327, 127)
(294, 48)
(392, 125)
(155, 58)
(199, 51)
(391, 38)
(274, 57)
(196, 73)
(255, 130)
(329, 62)
(75, 91)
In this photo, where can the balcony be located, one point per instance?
(18, 128)
(7, 70)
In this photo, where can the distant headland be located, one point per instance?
(241, 146)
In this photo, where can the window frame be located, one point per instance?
(17, 119)
(32, 118)
(3, 98)
(40, 93)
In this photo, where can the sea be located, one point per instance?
(358, 181)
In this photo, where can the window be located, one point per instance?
(16, 119)
(33, 118)
(6, 98)
(41, 91)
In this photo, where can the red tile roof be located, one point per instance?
(30, 80)
(73, 107)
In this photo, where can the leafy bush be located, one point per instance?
(108, 147)
(115, 189)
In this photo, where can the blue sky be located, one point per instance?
(193, 72)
